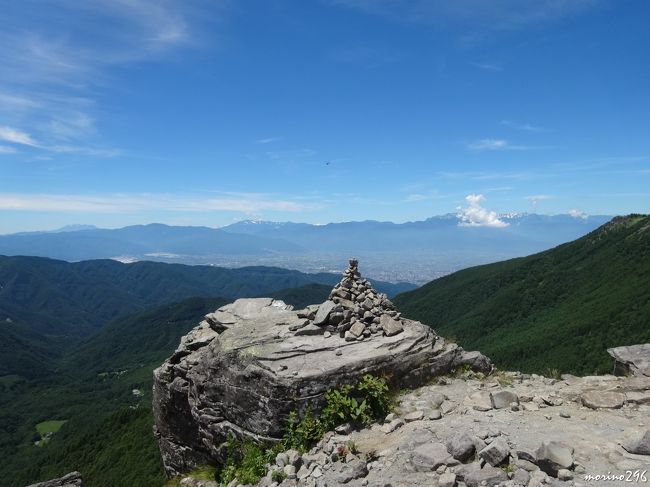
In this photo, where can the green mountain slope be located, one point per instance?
(557, 309)
(108, 434)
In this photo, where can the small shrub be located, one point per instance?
(352, 447)
(247, 461)
(278, 476)
(361, 404)
(552, 373)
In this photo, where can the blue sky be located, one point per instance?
(115, 112)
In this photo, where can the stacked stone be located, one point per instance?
(356, 311)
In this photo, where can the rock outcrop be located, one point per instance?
(546, 437)
(73, 479)
(631, 360)
(244, 368)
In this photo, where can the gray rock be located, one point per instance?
(488, 476)
(521, 477)
(281, 459)
(461, 447)
(447, 479)
(631, 360)
(527, 455)
(72, 479)
(429, 456)
(295, 458)
(353, 470)
(357, 329)
(603, 399)
(503, 399)
(289, 471)
(392, 426)
(390, 325)
(553, 456)
(481, 401)
(495, 453)
(245, 380)
(323, 312)
(344, 429)
(564, 474)
(309, 330)
(435, 414)
(414, 416)
(637, 442)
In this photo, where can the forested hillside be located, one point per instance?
(559, 309)
(107, 434)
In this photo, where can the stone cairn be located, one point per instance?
(355, 310)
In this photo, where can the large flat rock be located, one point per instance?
(243, 370)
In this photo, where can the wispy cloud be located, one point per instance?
(10, 134)
(474, 215)
(499, 145)
(487, 66)
(504, 14)
(268, 140)
(522, 126)
(5, 149)
(51, 76)
(131, 203)
(19, 137)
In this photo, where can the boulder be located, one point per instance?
(495, 453)
(429, 456)
(603, 399)
(245, 379)
(631, 360)
(323, 312)
(488, 476)
(461, 447)
(553, 456)
(503, 399)
(637, 442)
(390, 325)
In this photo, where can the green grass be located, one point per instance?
(51, 426)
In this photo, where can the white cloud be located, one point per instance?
(578, 214)
(10, 134)
(488, 144)
(499, 144)
(51, 76)
(267, 140)
(129, 203)
(474, 215)
(5, 149)
(526, 127)
(16, 136)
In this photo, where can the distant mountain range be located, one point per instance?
(413, 251)
(558, 309)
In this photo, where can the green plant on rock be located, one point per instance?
(553, 373)
(278, 476)
(360, 405)
(247, 461)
